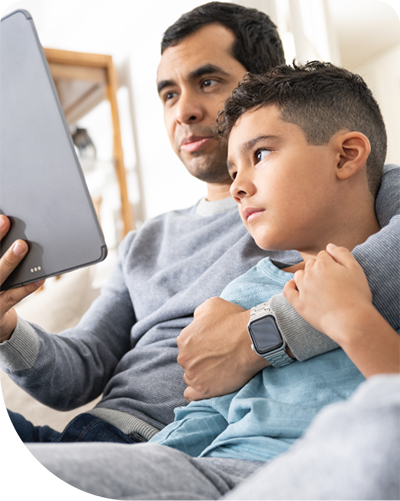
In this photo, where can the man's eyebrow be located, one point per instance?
(164, 83)
(206, 69)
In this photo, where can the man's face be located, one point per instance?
(285, 187)
(194, 79)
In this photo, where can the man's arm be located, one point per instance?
(72, 368)
(213, 349)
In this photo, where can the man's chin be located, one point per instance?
(209, 176)
(206, 169)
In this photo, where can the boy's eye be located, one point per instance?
(261, 154)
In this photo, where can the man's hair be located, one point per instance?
(257, 47)
(321, 99)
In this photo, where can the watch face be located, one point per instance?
(265, 335)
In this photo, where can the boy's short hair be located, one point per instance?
(321, 99)
(258, 46)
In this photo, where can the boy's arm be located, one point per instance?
(333, 295)
(379, 257)
(214, 350)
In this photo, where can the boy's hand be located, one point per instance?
(9, 298)
(215, 350)
(330, 292)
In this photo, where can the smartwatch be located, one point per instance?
(267, 341)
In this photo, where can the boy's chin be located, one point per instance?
(262, 244)
(269, 245)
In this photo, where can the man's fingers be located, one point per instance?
(4, 226)
(11, 297)
(190, 395)
(12, 258)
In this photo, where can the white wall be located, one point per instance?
(382, 74)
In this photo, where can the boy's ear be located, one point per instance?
(354, 149)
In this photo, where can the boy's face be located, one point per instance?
(285, 187)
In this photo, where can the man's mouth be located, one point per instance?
(250, 213)
(193, 143)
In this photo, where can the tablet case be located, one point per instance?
(42, 187)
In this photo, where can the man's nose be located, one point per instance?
(189, 109)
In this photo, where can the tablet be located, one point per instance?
(42, 188)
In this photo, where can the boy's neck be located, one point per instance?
(355, 231)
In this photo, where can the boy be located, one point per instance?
(306, 151)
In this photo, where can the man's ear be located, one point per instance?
(354, 149)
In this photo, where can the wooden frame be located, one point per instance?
(84, 80)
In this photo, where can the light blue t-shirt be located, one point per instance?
(262, 420)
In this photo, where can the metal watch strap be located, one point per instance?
(277, 358)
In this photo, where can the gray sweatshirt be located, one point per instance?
(125, 345)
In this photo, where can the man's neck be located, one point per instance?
(218, 191)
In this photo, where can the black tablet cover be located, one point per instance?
(42, 187)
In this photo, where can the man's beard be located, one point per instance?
(208, 167)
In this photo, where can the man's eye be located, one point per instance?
(209, 82)
(261, 154)
(169, 95)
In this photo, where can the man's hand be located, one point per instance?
(8, 299)
(215, 351)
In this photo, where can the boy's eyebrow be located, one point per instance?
(206, 69)
(249, 144)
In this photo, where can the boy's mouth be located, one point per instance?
(250, 213)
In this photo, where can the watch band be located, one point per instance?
(277, 357)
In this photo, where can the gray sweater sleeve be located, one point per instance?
(379, 256)
(70, 369)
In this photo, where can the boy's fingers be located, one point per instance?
(12, 258)
(290, 291)
(298, 277)
(341, 255)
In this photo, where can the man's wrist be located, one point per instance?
(267, 340)
(289, 352)
(4, 338)
(7, 331)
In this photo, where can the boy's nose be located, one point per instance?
(241, 187)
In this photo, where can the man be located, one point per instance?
(125, 346)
